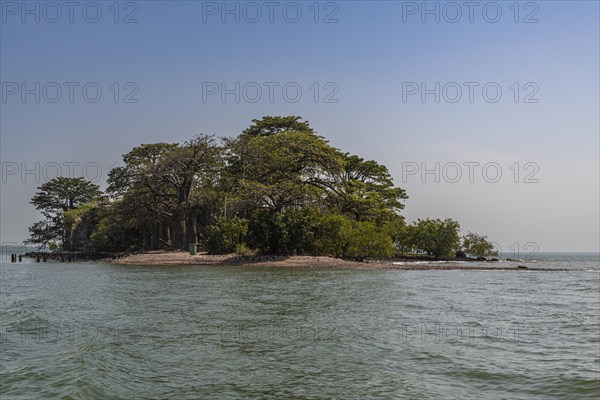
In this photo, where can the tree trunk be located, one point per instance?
(154, 240)
(179, 236)
(191, 229)
(146, 243)
(168, 234)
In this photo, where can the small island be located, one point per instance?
(278, 193)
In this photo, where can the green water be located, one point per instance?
(93, 331)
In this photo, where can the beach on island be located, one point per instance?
(166, 258)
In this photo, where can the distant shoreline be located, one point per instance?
(175, 258)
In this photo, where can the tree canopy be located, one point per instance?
(478, 246)
(53, 199)
(276, 188)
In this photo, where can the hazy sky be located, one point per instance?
(489, 88)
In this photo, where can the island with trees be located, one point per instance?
(277, 189)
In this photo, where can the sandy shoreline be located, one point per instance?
(184, 258)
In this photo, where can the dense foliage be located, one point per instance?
(478, 246)
(277, 188)
(54, 199)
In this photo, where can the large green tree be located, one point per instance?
(53, 199)
(164, 184)
(141, 202)
(365, 191)
(282, 168)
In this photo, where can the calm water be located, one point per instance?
(94, 331)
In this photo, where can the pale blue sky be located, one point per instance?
(367, 55)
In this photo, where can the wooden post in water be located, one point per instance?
(20, 258)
